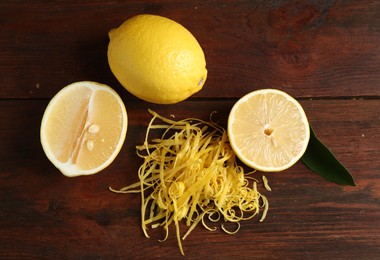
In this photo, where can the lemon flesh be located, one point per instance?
(83, 128)
(156, 59)
(268, 130)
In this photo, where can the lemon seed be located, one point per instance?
(90, 145)
(93, 129)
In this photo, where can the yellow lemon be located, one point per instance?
(156, 59)
(83, 128)
(268, 130)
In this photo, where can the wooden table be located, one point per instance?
(324, 53)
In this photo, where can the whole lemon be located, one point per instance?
(156, 59)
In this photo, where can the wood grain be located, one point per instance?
(307, 48)
(325, 53)
(44, 214)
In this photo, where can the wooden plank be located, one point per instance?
(46, 215)
(307, 48)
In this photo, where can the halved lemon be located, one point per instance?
(83, 128)
(268, 130)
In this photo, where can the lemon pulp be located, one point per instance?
(268, 130)
(83, 128)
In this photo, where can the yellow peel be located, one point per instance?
(189, 173)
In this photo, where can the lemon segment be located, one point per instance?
(83, 128)
(268, 130)
(156, 59)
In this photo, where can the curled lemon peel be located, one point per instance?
(266, 184)
(192, 174)
(233, 231)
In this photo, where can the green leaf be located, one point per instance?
(323, 162)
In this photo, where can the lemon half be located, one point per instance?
(83, 128)
(268, 130)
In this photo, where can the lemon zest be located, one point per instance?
(266, 185)
(231, 232)
(192, 173)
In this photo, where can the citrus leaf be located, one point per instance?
(323, 162)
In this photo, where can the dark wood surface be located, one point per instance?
(325, 53)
